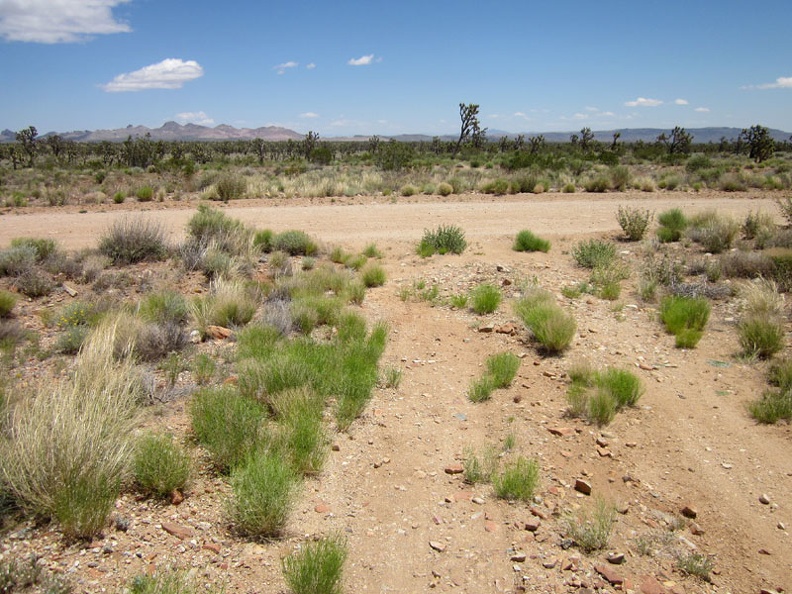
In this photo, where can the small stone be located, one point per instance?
(616, 558)
(696, 529)
(176, 497)
(561, 431)
(604, 453)
(195, 337)
(602, 442)
(437, 545)
(764, 552)
(764, 499)
(478, 500)
(689, 512)
(518, 557)
(335, 447)
(582, 486)
(180, 532)
(550, 563)
(454, 469)
(490, 526)
(538, 513)
(322, 508)
(781, 526)
(211, 546)
(532, 525)
(487, 328)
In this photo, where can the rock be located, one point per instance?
(538, 513)
(582, 486)
(454, 469)
(689, 512)
(437, 546)
(180, 532)
(613, 578)
(616, 558)
(487, 328)
(604, 453)
(490, 526)
(518, 557)
(550, 563)
(322, 508)
(561, 431)
(195, 337)
(478, 500)
(176, 497)
(211, 546)
(602, 442)
(218, 332)
(764, 499)
(532, 525)
(696, 529)
(650, 585)
(764, 552)
(781, 526)
(463, 496)
(509, 329)
(335, 447)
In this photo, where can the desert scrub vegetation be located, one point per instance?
(446, 239)
(685, 318)
(7, 302)
(295, 243)
(551, 326)
(776, 403)
(480, 465)
(527, 241)
(714, 232)
(18, 575)
(517, 480)
(760, 331)
(672, 225)
(485, 299)
(316, 567)
(160, 466)
(500, 371)
(594, 253)
(634, 221)
(66, 452)
(590, 529)
(598, 395)
(132, 239)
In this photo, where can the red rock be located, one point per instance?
(454, 469)
(463, 496)
(180, 532)
(582, 486)
(212, 546)
(611, 576)
(532, 525)
(561, 431)
(650, 585)
(689, 512)
(437, 546)
(490, 526)
(538, 513)
(176, 497)
(322, 508)
(218, 332)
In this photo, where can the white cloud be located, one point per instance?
(61, 21)
(168, 74)
(608, 114)
(281, 68)
(782, 82)
(680, 101)
(309, 114)
(580, 116)
(361, 61)
(194, 117)
(310, 66)
(519, 114)
(592, 109)
(644, 102)
(702, 109)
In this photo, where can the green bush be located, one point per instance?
(761, 335)
(672, 225)
(445, 189)
(373, 275)
(295, 243)
(714, 232)
(685, 318)
(262, 240)
(780, 374)
(230, 187)
(131, 240)
(634, 221)
(773, 406)
(518, 480)
(782, 267)
(16, 261)
(598, 184)
(446, 239)
(164, 307)
(485, 299)
(145, 194)
(264, 492)
(317, 568)
(160, 466)
(44, 248)
(7, 302)
(226, 424)
(526, 241)
(34, 283)
(591, 530)
(502, 367)
(550, 325)
(599, 395)
(481, 390)
(303, 440)
(594, 253)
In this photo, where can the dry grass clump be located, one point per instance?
(551, 326)
(67, 450)
(761, 330)
(130, 240)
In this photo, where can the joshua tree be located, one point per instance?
(678, 143)
(471, 127)
(760, 144)
(27, 139)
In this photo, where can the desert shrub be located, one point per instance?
(761, 335)
(34, 283)
(17, 575)
(780, 374)
(7, 302)
(44, 248)
(732, 182)
(317, 568)
(697, 162)
(526, 241)
(70, 341)
(634, 221)
(591, 529)
(597, 184)
(144, 194)
(445, 189)
(502, 367)
(262, 240)
(164, 307)
(518, 480)
(160, 466)
(772, 406)
(762, 298)
(746, 264)
(607, 279)
(550, 325)
(264, 491)
(714, 232)
(68, 450)
(593, 253)
(373, 275)
(295, 243)
(226, 424)
(480, 466)
(18, 260)
(203, 369)
(760, 227)
(498, 186)
(485, 298)
(599, 395)
(620, 177)
(785, 208)
(623, 385)
(446, 239)
(119, 197)
(131, 240)
(672, 223)
(782, 267)
(167, 581)
(696, 565)
(408, 190)
(211, 226)
(230, 187)
(302, 439)
(481, 389)
(685, 318)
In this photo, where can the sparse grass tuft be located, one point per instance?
(446, 239)
(485, 299)
(591, 530)
(317, 568)
(7, 302)
(480, 466)
(696, 565)
(131, 240)
(594, 253)
(373, 275)
(295, 243)
(599, 395)
(160, 466)
(526, 241)
(501, 369)
(550, 325)
(761, 335)
(518, 480)
(685, 318)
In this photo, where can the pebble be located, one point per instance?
(764, 499)
(689, 512)
(454, 469)
(437, 546)
(582, 486)
(616, 558)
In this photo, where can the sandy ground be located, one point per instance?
(386, 487)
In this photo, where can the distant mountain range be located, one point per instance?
(176, 131)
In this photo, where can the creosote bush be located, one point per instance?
(526, 241)
(634, 221)
(131, 240)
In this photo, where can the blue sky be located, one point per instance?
(344, 68)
